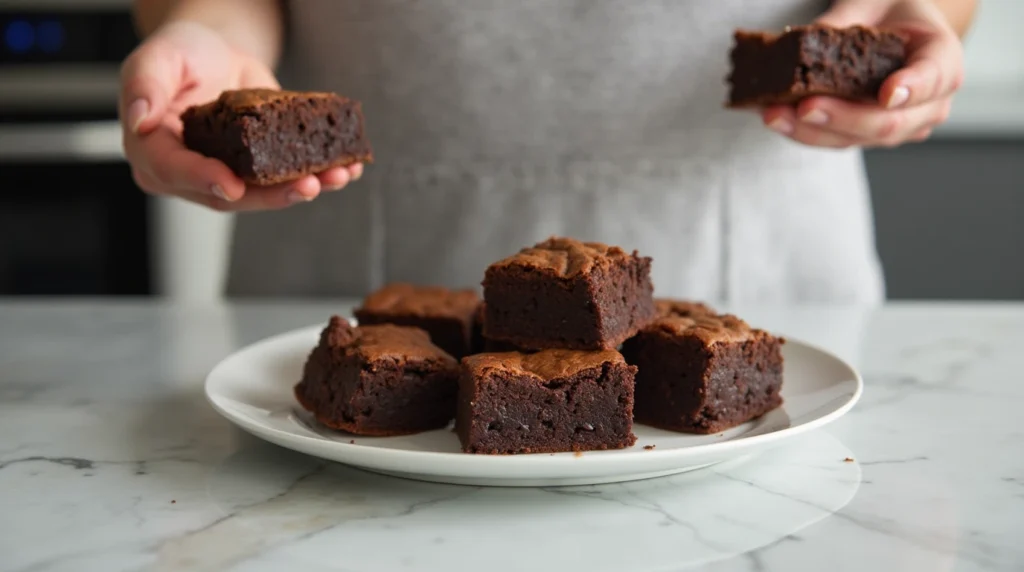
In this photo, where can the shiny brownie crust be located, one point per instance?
(563, 293)
(704, 374)
(378, 380)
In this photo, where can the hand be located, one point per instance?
(912, 101)
(181, 65)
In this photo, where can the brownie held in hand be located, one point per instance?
(447, 315)
(563, 293)
(704, 373)
(378, 380)
(781, 69)
(267, 136)
(545, 402)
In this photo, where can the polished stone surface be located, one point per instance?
(111, 459)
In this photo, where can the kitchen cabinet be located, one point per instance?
(950, 218)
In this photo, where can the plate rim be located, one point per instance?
(528, 461)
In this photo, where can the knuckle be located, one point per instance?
(218, 205)
(943, 113)
(890, 125)
(922, 135)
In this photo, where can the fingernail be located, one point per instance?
(815, 116)
(781, 125)
(297, 197)
(337, 187)
(356, 172)
(137, 112)
(218, 191)
(899, 96)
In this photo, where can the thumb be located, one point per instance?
(150, 79)
(845, 13)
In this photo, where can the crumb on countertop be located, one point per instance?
(352, 442)
(848, 460)
(648, 447)
(173, 501)
(578, 454)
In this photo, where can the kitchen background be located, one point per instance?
(949, 211)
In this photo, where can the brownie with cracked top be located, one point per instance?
(684, 308)
(268, 136)
(781, 69)
(447, 315)
(704, 373)
(378, 380)
(563, 293)
(545, 402)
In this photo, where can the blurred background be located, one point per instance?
(949, 212)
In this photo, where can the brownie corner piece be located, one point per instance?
(270, 136)
(564, 293)
(705, 373)
(448, 315)
(546, 402)
(378, 380)
(781, 69)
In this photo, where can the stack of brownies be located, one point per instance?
(567, 348)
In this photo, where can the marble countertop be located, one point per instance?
(111, 459)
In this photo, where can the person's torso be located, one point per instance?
(496, 124)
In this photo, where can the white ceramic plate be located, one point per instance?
(253, 389)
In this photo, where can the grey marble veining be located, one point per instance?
(111, 459)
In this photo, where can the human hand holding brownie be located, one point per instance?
(911, 101)
(183, 63)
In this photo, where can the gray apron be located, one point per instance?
(498, 123)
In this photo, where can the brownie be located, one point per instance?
(781, 69)
(378, 380)
(545, 402)
(267, 136)
(684, 308)
(447, 315)
(482, 344)
(704, 373)
(563, 293)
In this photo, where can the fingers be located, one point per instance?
(934, 70)
(334, 179)
(868, 123)
(337, 178)
(255, 198)
(150, 79)
(273, 197)
(784, 121)
(175, 169)
(829, 122)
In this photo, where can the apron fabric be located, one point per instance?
(496, 124)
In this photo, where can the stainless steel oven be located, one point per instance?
(72, 221)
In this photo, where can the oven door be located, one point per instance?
(72, 221)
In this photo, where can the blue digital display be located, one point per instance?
(19, 36)
(23, 37)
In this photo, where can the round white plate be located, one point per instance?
(253, 389)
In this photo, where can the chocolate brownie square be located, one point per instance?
(563, 293)
(447, 315)
(781, 69)
(378, 380)
(482, 344)
(266, 136)
(545, 402)
(684, 308)
(704, 373)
